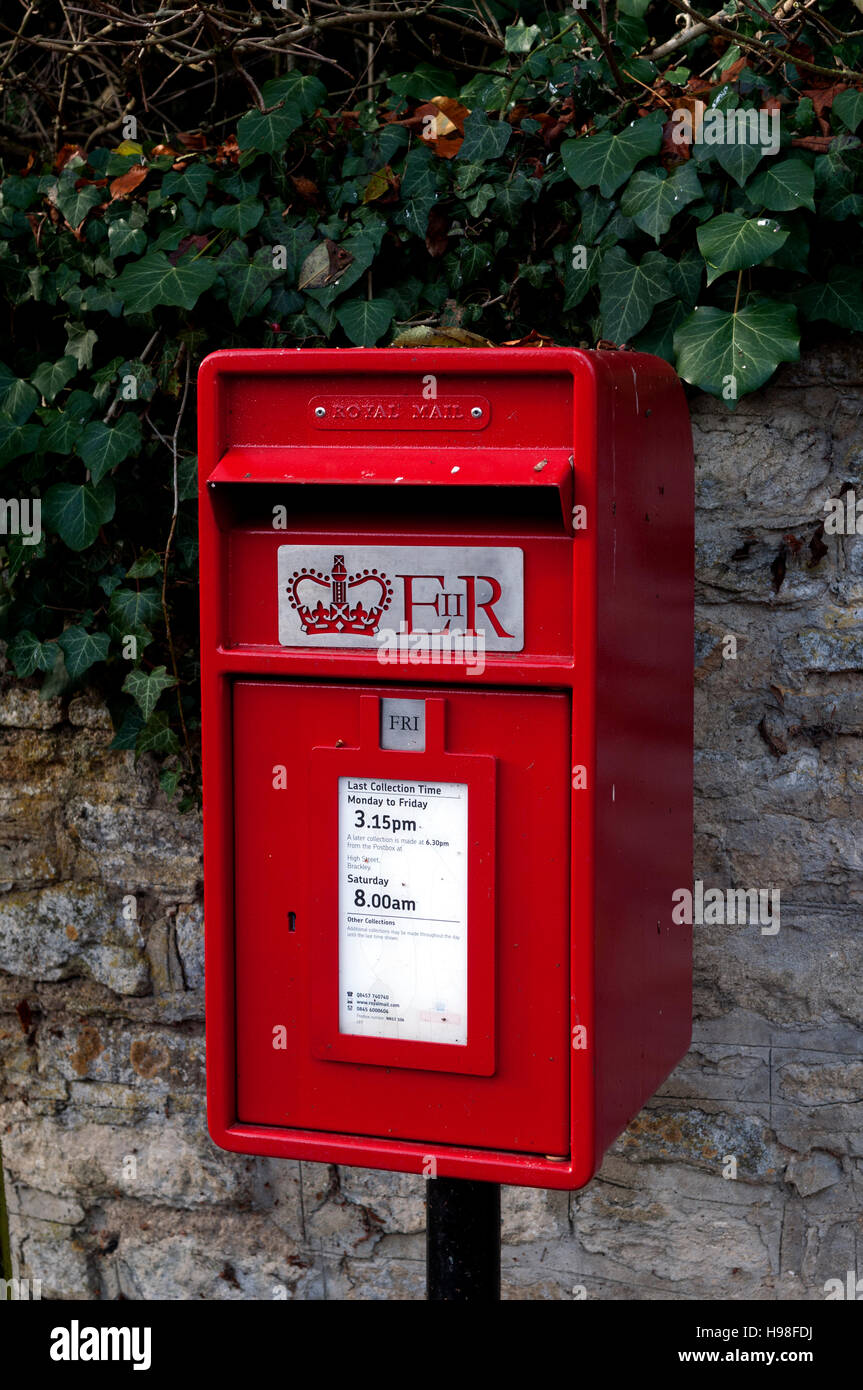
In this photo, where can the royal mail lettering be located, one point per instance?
(431, 410)
(366, 410)
(408, 412)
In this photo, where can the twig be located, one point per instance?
(142, 357)
(168, 543)
(743, 41)
(17, 39)
(606, 45)
(686, 36)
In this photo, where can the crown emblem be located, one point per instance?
(356, 601)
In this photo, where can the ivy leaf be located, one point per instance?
(630, 35)
(520, 37)
(608, 160)
(840, 300)
(82, 649)
(268, 131)
(466, 175)
(146, 565)
(732, 242)
(474, 258)
(248, 281)
(57, 679)
(18, 400)
(80, 342)
(739, 159)
(848, 106)
(28, 654)
(109, 582)
(190, 182)
(141, 375)
(128, 730)
(22, 550)
(651, 199)
(169, 780)
(187, 477)
(283, 302)
(240, 217)
(170, 239)
(300, 89)
(658, 336)
(629, 292)
(19, 191)
(836, 175)
(295, 241)
(304, 326)
(102, 447)
(730, 354)
(479, 198)
(76, 512)
(381, 183)
(124, 238)
(536, 275)
(152, 280)
(578, 280)
(157, 736)
(79, 406)
(423, 83)
(49, 379)
(512, 196)
(75, 203)
(16, 440)
(131, 609)
(483, 139)
(419, 190)
(784, 187)
(685, 276)
(60, 432)
(145, 688)
(595, 212)
(365, 320)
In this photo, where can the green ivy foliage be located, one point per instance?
(543, 195)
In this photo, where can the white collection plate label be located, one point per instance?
(403, 910)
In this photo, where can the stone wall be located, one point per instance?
(114, 1188)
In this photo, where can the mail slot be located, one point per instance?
(446, 605)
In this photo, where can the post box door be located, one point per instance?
(407, 982)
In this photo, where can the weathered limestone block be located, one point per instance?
(21, 708)
(190, 943)
(166, 1160)
(72, 930)
(153, 849)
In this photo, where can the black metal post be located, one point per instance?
(462, 1241)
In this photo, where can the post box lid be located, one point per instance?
(400, 466)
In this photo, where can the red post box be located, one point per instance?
(446, 602)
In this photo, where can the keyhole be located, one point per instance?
(292, 921)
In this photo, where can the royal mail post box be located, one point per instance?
(446, 602)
